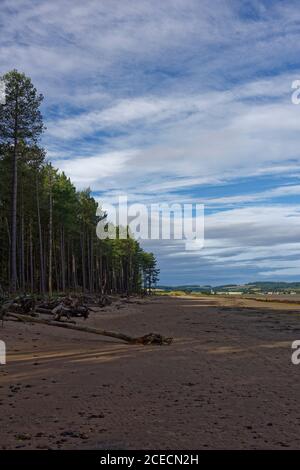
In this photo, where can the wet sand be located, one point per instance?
(227, 381)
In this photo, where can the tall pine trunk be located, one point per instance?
(31, 257)
(50, 238)
(42, 271)
(82, 240)
(13, 248)
(22, 244)
(62, 257)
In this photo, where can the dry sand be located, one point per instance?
(226, 382)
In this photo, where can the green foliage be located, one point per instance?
(20, 117)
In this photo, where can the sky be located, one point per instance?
(176, 101)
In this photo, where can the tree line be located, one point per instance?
(48, 240)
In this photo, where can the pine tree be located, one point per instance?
(20, 125)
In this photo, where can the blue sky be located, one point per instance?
(176, 101)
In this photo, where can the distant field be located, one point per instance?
(274, 297)
(233, 299)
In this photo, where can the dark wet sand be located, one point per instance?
(226, 382)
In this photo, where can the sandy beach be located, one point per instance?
(227, 381)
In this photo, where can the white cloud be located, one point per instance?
(85, 171)
(241, 245)
(211, 138)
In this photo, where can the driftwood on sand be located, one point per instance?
(29, 312)
(151, 338)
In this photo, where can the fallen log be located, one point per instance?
(151, 338)
(43, 310)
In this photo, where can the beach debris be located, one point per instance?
(104, 301)
(149, 339)
(60, 312)
(64, 307)
(4, 308)
(22, 304)
(61, 309)
(153, 338)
